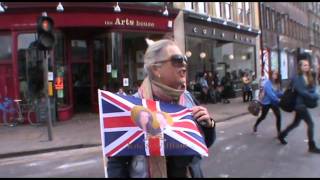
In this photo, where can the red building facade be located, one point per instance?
(96, 48)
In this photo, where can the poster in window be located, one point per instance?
(140, 74)
(125, 82)
(274, 60)
(139, 56)
(114, 73)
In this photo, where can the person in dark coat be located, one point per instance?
(304, 85)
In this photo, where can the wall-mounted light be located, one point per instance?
(165, 12)
(231, 56)
(243, 57)
(209, 19)
(60, 7)
(3, 7)
(188, 54)
(117, 8)
(203, 55)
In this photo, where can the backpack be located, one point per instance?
(288, 100)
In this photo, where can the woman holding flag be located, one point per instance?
(166, 69)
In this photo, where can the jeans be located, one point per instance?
(276, 111)
(302, 113)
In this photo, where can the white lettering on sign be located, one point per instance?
(129, 22)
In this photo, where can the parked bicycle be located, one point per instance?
(14, 112)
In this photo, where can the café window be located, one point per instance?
(5, 47)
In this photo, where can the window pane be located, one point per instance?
(201, 7)
(29, 67)
(217, 8)
(240, 12)
(79, 50)
(5, 47)
(188, 5)
(228, 10)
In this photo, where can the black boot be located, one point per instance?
(282, 140)
(313, 148)
(254, 128)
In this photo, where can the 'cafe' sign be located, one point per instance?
(129, 22)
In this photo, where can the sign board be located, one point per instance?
(59, 83)
(50, 76)
(125, 82)
(109, 68)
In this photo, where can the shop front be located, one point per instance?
(221, 50)
(93, 50)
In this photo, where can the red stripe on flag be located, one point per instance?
(154, 142)
(127, 108)
(151, 105)
(188, 125)
(111, 153)
(192, 140)
(154, 146)
(121, 121)
(181, 113)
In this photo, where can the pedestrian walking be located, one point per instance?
(270, 98)
(304, 85)
(166, 69)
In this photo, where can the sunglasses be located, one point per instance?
(176, 60)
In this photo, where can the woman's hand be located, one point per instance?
(201, 115)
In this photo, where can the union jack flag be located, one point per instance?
(121, 136)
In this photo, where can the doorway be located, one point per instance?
(87, 61)
(81, 63)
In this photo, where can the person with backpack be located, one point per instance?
(270, 98)
(306, 97)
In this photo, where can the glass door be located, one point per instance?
(80, 56)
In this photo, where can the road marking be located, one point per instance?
(65, 166)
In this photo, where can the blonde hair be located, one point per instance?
(309, 73)
(155, 52)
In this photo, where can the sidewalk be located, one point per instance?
(83, 130)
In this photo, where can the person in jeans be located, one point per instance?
(247, 89)
(304, 85)
(271, 98)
